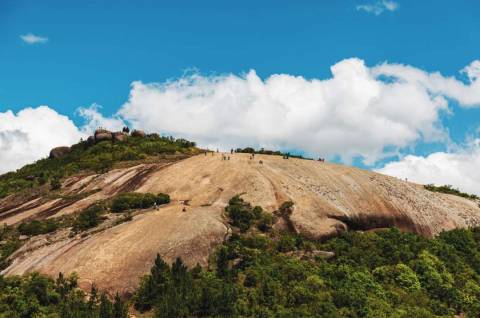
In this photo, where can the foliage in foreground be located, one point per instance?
(90, 158)
(36, 295)
(382, 274)
(269, 274)
(450, 190)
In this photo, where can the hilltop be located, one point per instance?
(115, 249)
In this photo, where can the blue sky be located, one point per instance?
(94, 50)
(97, 48)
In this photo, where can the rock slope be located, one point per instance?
(328, 198)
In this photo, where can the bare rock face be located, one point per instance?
(103, 135)
(59, 152)
(90, 140)
(138, 133)
(327, 199)
(119, 136)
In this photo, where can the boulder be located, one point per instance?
(138, 133)
(102, 135)
(90, 140)
(59, 152)
(119, 136)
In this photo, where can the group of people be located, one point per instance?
(321, 159)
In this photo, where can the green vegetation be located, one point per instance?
(134, 200)
(37, 227)
(243, 216)
(450, 190)
(375, 274)
(263, 151)
(36, 295)
(266, 273)
(90, 217)
(9, 243)
(90, 158)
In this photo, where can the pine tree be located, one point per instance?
(120, 310)
(153, 286)
(222, 262)
(105, 307)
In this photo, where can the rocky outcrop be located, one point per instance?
(138, 133)
(119, 136)
(59, 152)
(102, 135)
(90, 140)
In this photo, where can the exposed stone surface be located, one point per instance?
(328, 198)
(119, 136)
(138, 133)
(59, 152)
(90, 140)
(103, 135)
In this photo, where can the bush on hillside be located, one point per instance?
(90, 217)
(450, 190)
(134, 200)
(37, 227)
(243, 215)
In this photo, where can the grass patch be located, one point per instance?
(450, 190)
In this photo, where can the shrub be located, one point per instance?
(265, 222)
(36, 227)
(449, 190)
(163, 198)
(134, 200)
(55, 183)
(88, 218)
(240, 213)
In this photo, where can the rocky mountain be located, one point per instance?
(327, 199)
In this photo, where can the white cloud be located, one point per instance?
(458, 168)
(467, 95)
(472, 71)
(31, 133)
(31, 38)
(94, 119)
(354, 113)
(366, 112)
(378, 7)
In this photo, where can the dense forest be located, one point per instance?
(261, 272)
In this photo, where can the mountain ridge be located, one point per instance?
(327, 200)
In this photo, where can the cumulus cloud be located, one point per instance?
(31, 38)
(458, 168)
(94, 119)
(30, 134)
(355, 113)
(369, 113)
(378, 7)
(472, 71)
(435, 83)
